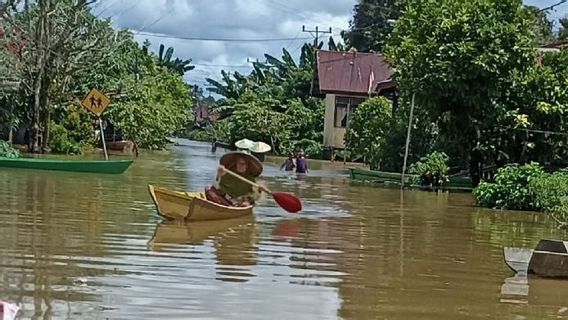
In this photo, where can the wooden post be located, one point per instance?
(407, 140)
(103, 138)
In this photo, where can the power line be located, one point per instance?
(213, 39)
(221, 65)
(554, 5)
(294, 11)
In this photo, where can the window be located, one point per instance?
(344, 109)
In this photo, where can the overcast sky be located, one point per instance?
(235, 19)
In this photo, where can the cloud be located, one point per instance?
(236, 19)
(227, 19)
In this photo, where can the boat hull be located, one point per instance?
(92, 166)
(549, 259)
(192, 206)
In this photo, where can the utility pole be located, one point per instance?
(316, 43)
(317, 32)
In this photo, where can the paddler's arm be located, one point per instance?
(220, 173)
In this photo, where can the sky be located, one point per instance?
(278, 23)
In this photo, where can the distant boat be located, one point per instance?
(394, 178)
(93, 166)
(549, 259)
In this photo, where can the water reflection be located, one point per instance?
(535, 291)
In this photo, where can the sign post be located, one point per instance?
(97, 102)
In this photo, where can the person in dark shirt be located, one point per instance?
(301, 163)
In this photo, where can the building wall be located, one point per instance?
(332, 136)
(328, 132)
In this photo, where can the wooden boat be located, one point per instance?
(548, 259)
(94, 166)
(192, 206)
(172, 232)
(374, 176)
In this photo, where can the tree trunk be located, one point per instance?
(39, 81)
(34, 130)
(46, 121)
(11, 125)
(475, 167)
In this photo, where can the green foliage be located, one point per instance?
(7, 151)
(77, 121)
(178, 65)
(60, 142)
(563, 31)
(541, 26)
(369, 129)
(432, 170)
(549, 191)
(273, 103)
(536, 99)
(372, 24)
(258, 123)
(79, 52)
(217, 130)
(511, 189)
(154, 109)
(458, 57)
(527, 187)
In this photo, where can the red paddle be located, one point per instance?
(287, 201)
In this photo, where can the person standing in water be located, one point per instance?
(289, 164)
(301, 163)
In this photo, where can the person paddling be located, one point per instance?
(231, 191)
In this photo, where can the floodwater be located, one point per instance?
(87, 246)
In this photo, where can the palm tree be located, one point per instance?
(178, 65)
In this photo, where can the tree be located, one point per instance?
(372, 24)
(63, 37)
(457, 57)
(178, 65)
(369, 129)
(541, 27)
(154, 109)
(563, 31)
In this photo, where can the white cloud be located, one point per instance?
(235, 19)
(231, 19)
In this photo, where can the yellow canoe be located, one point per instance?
(192, 206)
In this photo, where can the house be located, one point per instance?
(347, 79)
(201, 112)
(555, 46)
(203, 116)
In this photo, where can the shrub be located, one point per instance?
(7, 151)
(432, 170)
(369, 128)
(60, 142)
(549, 191)
(511, 189)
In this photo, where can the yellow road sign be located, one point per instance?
(96, 102)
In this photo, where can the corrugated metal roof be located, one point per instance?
(350, 72)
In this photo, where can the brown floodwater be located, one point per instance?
(87, 246)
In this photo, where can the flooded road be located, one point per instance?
(87, 246)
